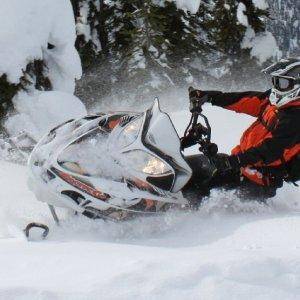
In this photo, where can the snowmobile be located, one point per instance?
(119, 165)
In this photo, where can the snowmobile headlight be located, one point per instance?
(130, 133)
(143, 162)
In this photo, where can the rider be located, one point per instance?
(269, 150)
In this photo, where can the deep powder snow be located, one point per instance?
(226, 250)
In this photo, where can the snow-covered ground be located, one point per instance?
(227, 250)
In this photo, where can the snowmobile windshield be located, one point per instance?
(160, 137)
(161, 134)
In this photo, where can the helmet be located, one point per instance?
(286, 81)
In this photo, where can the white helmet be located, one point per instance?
(286, 81)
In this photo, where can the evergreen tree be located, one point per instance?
(139, 47)
(188, 44)
(143, 46)
(231, 21)
(92, 35)
(285, 24)
(154, 44)
(92, 25)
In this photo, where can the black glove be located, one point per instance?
(193, 136)
(189, 140)
(197, 99)
(204, 96)
(227, 164)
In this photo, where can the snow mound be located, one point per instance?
(26, 29)
(39, 112)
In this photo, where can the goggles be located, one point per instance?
(284, 84)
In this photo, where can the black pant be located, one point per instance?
(204, 180)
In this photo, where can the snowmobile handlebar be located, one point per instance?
(197, 133)
(195, 102)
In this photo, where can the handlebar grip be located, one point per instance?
(191, 89)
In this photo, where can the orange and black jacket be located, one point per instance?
(272, 140)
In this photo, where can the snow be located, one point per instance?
(26, 29)
(64, 66)
(190, 5)
(227, 6)
(82, 26)
(242, 18)
(226, 250)
(261, 4)
(38, 112)
(263, 46)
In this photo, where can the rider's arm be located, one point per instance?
(251, 103)
(284, 136)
